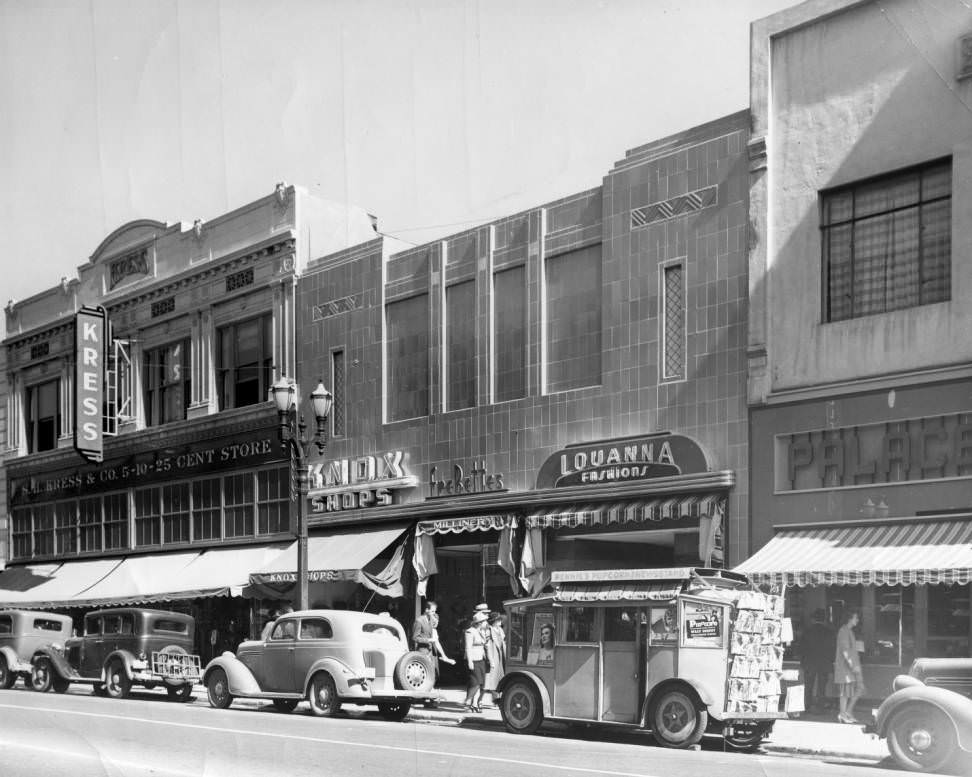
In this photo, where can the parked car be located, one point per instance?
(22, 633)
(927, 719)
(330, 658)
(122, 647)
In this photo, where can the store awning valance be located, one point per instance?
(337, 555)
(893, 553)
(620, 591)
(643, 511)
(465, 524)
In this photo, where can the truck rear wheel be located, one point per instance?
(42, 675)
(677, 719)
(521, 708)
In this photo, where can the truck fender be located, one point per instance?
(126, 659)
(240, 678)
(340, 672)
(11, 658)
(529, 677)
(956, 707)
(57, 659)
(679, 683)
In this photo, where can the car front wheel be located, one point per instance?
(322, 695)
(677, 720)
(7, 678)
(42, 675)
(217, 688)
(922, 738)
(118, 685)
(521, 708)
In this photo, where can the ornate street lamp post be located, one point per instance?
(292, 431)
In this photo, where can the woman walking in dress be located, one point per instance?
(848, 676)
(496, 650)
(477, 639)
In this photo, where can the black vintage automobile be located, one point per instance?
(122, 647)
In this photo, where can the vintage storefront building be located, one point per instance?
(560, 389)
(193, 490)
(860, 363)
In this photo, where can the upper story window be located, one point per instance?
(43, 416)
(167, 383)
(245, 366)
(407, 366)
(887, 242)
(573, 325)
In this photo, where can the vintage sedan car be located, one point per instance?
(122, 647)
(23, 633)
(928, 717)
(330, 658)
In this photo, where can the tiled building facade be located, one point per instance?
(545, 355)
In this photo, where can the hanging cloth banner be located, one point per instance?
(504, 555)
(388, 582)
(423, 561)
(709, 526)
(533, 575)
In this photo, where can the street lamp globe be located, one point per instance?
(283, 395)
(321, 399)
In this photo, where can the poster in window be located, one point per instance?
(703, 624)
(664, 626)
(542, 645)
(517, 643)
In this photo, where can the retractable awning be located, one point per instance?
(40, 586)
(631, 591)
(912, 552)
(468, 523)
(643, 511)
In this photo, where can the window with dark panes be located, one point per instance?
(338, 407)
(315, 628)
(92, 625)
(573, 319)
(206, 509)
(43, 416)
(580, 624)
(6, 624)
(167, 383)
(407, 323)
(509, 334)
(460, 345)
(948, 621)
(175, 513)
(148, 525)
(66, 527)
(887, 242)
(245, 362)
(116, 521)
(89, 516)
(22, 535)
(238, 505)
(46, 624)
(44, 530)
(273, 501)
(673, 322)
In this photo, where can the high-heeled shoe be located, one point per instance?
(477, 708)
(844, 718)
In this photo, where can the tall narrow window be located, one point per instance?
(66, 528)
(43, 416)
(22, 535)
(238, 501)
(887, 242)
(89, 514)
(44, 530)
(509, 334)
(407, 323)
(338, 407)
(167, 383)
(148, 524)
(460, 323)
(116, 521)
(673, 322)
(206, 509)
(273, 501)
(175, 513)
(573, 336)
(245, 362)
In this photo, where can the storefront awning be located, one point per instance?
(621, 591)
(337, 555)
(912, 552)
(644, 511)
(465, 524)
(39, 586)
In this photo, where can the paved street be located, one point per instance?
(147, 735)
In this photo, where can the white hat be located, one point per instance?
(479, 617)
(481, 608)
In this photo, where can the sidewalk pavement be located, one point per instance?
(816, 735)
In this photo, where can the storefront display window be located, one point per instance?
(894, 637)
(948, 621)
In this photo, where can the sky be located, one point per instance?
(432, 115)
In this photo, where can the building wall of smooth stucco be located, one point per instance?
(864, 91)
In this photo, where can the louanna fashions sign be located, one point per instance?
(91, 332)
(623, 459)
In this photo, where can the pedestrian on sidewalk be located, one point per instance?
(425, 638)
(848, 676)
(496, 650)
(477, 638)
(817, 651)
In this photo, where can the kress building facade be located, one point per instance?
(193, 494)
(560, 389)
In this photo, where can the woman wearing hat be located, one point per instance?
(477, 639)
(496, 652)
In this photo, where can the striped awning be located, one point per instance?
(467, 523)
(643, 511)
(619, 591)
(913, 552)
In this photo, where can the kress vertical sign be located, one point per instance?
(91, 329)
